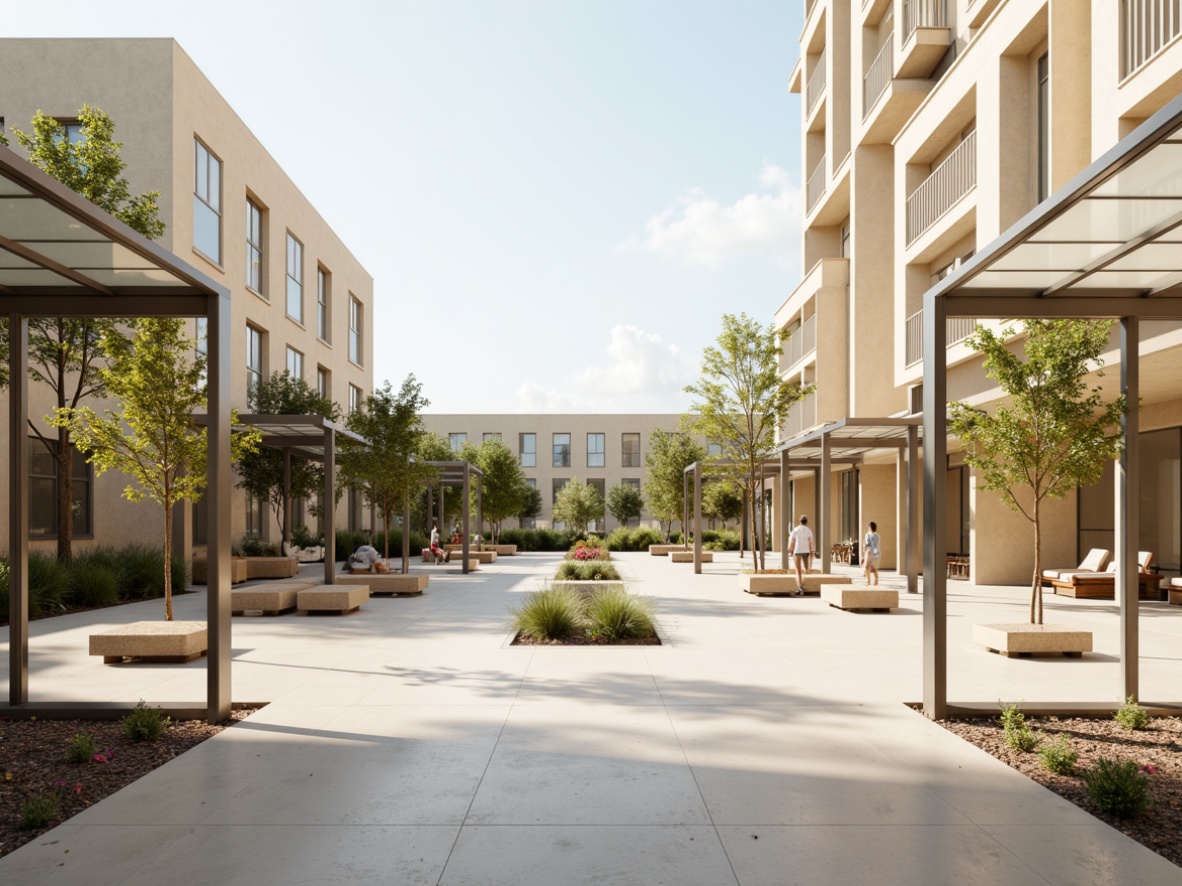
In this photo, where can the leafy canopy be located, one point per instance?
(502, 491)
(669, 454)
(577, 504)
(625, 503)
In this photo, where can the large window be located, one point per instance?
(323, 383)
(43, 479)
(254, 358)
(255, 512)
(528, 447)
(207, 204)
(595, 450)
(492, 435)
(295, 363)
(254, 246)
(562, 450)
(557, 487)
(530, 522)
(630, 450)
(714, 450)
(354, 398)
(355, 330)
(323, 299)
(848, 504)
(456, 441)
(1044, 128)
(295, 279)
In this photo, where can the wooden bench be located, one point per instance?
(393, 583)
(340, 599)
(860, 599)
(1175, 591)
(152, 641)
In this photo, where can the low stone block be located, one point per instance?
(664, 550)
(1175, 590)
(339, 598)
(1027, 639)
(238, 571)
(410, 585)
(850, 598)
(271, 567)
(813, 581)
(273, 599)
(483, 556)
(688, 556)
(152, 641)
(503, 550)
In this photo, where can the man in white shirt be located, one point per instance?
(802, 546)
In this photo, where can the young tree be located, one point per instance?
(65, 354)
(741, 400)
(722, 500)
(261, 472)
(151, 436)
(669, 454)
(577, 504)
(503, 487)
(625, 503)
(531, 505)
(1052, 432)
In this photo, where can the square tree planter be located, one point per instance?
(1014, 640)
(152, 641)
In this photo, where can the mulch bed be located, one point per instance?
(583, 640)
(1159, 746)
(33, 763)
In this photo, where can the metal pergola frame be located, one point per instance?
(698, 471)
(1127, 207)
(454, 473)
(61, 256)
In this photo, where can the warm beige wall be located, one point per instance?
(878, 504)
(1002, 541)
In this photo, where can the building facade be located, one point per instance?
(300, 300)
(928, 127)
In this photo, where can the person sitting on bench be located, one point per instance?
(441, 556)
(366, 559)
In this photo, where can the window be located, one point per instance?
(295, 364)
(557, 486)
(207, 204)
(456, 441)
(530, 522)
(299, 513)
(323, 299)
(630, 450)
(528, 447)
(43, 479)
(845, 239)
(323, 385)
(1044, 128)
(599, 485)
(254, 358)
(493, 435)
(355, 320)
(254, 246)
(354, 398)
(595, 445)
(713, 450)
(254, 517)
(295, 279)
(848, 505)
(562, 450)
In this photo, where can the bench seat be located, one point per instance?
(152, 641)
(335, 598)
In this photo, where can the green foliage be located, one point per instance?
(140, 572)
(577, 504)
(550, 614)
(669, 454)
(1059, 756)
(302, 537)
(257, 547)
(586, 570)
(1118, 787)
(40, 811)
(720, 540)
(503, 489)
(531, 504)
(591, 549)
(1018, 733)
(637, 539)
(625, 503)
(82, 748)
(722, 500)
(1132, 716)
(1051, 433)
(48, 581)
(91, 582)
(617, 615)
(539, 539)
(347, 542)
(145, 723)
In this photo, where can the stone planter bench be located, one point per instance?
(664, 550)
(503, 550)
(782, 584)
(851, 599)
(271, 567)
(1014, 640)
(238, 570)
(393, 583)
(275, 598)
(1175, 591)
(340, 599)
(688, 556)
(152, 641)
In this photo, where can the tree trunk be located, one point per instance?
(1036, 584)
(167, 561)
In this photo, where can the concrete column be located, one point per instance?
(935, 546)
(330, 506)
(18, 510)
(784, 507)
(697, 518)
(406, 534)
(1128, 515)
(825, 481)
(912, 534)
(220, 483)
(286, 533)
(464, 527)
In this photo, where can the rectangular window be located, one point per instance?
(295, 364)
(207, 203)
(254, 358)
(355, 320)
(562, 450)
(714, 450)
(295, 279)
(254, 246)
(557, 486)
(299, 513)
(595, 450)
(630, 450)
(456, 441)
(1044, 128)
(354, 398)
(528, 447)
(599, 485)
(323, 386)
(530, 522)
(43, 480)
(493, 435)
(323, 299)
(254, 517)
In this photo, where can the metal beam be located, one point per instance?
(286, 499)
(82, 305)
(697, 518)
(823, 540)
(914, 479)
(220, 481)
(18, 510)
(784, 507)
(1005, 304)
(406, 534)
(330, 506)
(1128, 516)
(935, 481)
(464, 523)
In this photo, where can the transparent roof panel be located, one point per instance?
(1091, 220)
(1016, 279)
(117, 277)
(92, 254)
(9, 188)
(1157, 174)
(22, 219)
(1053, 256)
(10, 260)
(13, 278)
(1154, 256)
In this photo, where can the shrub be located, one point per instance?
(48, 583)
(720, 540)
(40, 811)
(1132, 716)
(302, 538)
(637, 539)
(91, 582)
(618, 615)
(1059, 756)
(592, 550)
(82, 748)
(140, 572)
(1018, 733)
(144, 723)
(257, 547)
(1118, 787)
(586, 570)
(550, 614)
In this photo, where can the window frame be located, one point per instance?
(356, 396)
(356, 331)
(454, 437)
(298, 360)
(254, 250)
(81, 479)
(255, 372)
(522, 452)
(200, 199)
(323, 382)
(555, 463)
(293, 240)
(598, 439)
(625, 460)
(323, 303)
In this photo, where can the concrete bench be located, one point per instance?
(339, 598)
(271, 567)
(152, 641)
(775, 584)
(1026, 639)
(275, 598)
(1175, 591)
(688, 556)
(503, 550)
(664, 550)
(201, 570)
(860, 599)
(393, 583)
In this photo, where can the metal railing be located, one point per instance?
(875, 82)
(815, 189)
(923, 14)
(941, 190)
(958, 329)
(1146, 26)
(817, 79)
(802, 343)
(802, 417)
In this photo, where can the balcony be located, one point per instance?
(925, 37)
(888, 102)
(979, 10)
(959, 328)
(802, 417)
(816, 84)
(1146, 27)
(877, 78)
(815, 189)
(801, 344)
(943, 189)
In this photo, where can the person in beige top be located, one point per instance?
(802, 546)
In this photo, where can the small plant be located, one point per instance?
(587, 570)
(1132, 716)
(257, 547)
(1118, 787)
(82, 748)
(145, 723)
(1018, 733)
(618, 615)
(40, 811)
(1059, 756)
(550, 614)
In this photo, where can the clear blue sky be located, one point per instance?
(557, 200)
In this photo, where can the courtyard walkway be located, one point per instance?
(766, 742)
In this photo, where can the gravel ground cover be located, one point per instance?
(34, 763)
(1159, 747)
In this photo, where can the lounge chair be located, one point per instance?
(1175, 590)
(1102, 585)
(1095, 561)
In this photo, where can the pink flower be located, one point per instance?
(100, 758)
(1149, 769)
(77, 789)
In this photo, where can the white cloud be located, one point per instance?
(641, 373)
(700, 230)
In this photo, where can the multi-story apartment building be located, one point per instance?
(300, 300)
(928, 128)
(603, 450)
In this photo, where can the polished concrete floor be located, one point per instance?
(766, 742)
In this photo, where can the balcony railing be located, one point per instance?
(876, 79)
(816, 85)
(958, 329)
(815, 189)
(923, 14)
(1146, 26)
(802, 417)
(802, 343)
(949, 181)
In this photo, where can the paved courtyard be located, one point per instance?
(766, 742)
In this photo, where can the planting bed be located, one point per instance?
(581, 640)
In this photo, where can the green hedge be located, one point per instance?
(348, 542)
(637, 539)
(541, 539)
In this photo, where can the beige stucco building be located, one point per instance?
(300, 300)
(928, 128)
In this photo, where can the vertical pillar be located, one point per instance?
(18, 510)
(697, 518)
(913, 492)
(935, 505)
(480, 513)
(744, 543)
(823, 541)
(406, 534)
(785, 507)
(1128, 529)
(685, 493)
(219, 483)
(464, 525)
(330, 506)
(286, 534)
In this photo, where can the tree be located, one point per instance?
(722, 500)
(1052, 432)
(669, 454)
(577, 504)
(531, 505)
(65, 354)
(742, 400)
(151, 436)
(625, 503)
(261, 472)
(385, 469)
(503, 486)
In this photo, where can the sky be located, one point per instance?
(557, 200)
